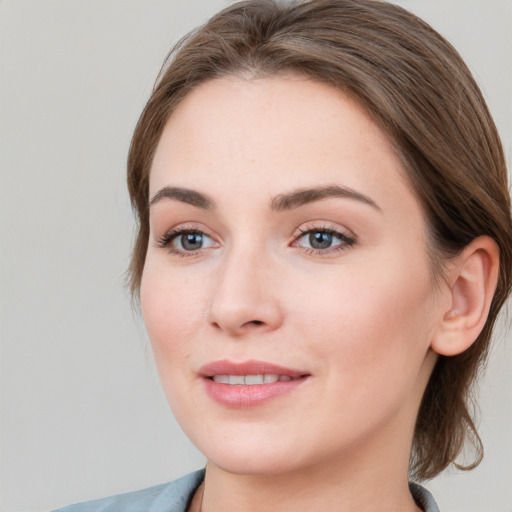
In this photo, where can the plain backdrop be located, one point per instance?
(82, 413)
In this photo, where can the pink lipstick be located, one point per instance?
(250, 383)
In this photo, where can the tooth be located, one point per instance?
(250, 380)
(236, 379)
(253, 379)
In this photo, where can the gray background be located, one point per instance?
(82, 412)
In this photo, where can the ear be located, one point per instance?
(472, 283)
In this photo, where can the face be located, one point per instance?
(287, 289)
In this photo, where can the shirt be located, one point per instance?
(175, 496)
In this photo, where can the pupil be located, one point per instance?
(320, 240)
(191, 241)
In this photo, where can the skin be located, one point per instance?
(358, 317)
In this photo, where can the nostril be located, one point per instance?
(255, 322)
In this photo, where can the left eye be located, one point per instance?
(321, 240)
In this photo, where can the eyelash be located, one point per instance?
(165, 241)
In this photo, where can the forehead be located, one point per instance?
(275, 132)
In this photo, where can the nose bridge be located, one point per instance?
(243, 298)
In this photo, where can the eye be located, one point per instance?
(182, 241)
(323, 240)
(190, 241)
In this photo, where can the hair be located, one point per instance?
(419, 91)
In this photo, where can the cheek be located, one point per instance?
(368, 338)
(173, 307)
(372, 319)
(170, 307)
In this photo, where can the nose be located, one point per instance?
(245, 298)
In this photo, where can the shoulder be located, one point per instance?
(423, 498)
(170, 497)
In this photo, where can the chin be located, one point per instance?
(261, 465)
(259, 453)
(255, 453)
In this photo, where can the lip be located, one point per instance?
(243, 396)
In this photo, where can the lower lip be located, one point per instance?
(241, 396)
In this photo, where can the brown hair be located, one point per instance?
(420, 92)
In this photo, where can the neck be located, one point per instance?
(352, 484)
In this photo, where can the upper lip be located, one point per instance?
(252, 367)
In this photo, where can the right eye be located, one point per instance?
(182, 241)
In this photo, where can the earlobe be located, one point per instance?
(472, 283)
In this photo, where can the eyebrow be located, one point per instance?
(184, 195)
(279, 203)
(303, 196)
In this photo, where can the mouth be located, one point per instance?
(249, 384)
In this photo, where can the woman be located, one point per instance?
(324, 245)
